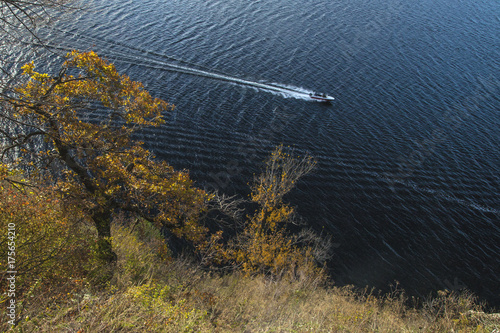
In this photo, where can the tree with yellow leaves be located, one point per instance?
(265, 244)
(95, 164)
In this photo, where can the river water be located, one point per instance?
(408, 181)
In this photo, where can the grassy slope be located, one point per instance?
(150, 292)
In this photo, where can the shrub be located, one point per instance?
(265, 244)
(52, 241)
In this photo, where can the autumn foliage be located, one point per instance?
(265, 243)
(94, 163)
(52, 241)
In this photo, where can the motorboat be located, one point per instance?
(320, 97)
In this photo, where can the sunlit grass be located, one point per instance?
(151, 292)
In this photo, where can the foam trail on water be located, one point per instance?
(286, 91)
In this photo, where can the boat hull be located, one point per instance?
(322, 99)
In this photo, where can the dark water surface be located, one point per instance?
(408, 178)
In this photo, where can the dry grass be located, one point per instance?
(152, 293)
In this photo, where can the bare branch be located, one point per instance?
(230, 206)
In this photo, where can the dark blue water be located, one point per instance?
(408, 180)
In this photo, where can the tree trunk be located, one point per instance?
(102, 222)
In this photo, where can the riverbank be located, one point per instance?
(152, 292)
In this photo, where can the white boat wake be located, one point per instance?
(275, 88)
(287, 91)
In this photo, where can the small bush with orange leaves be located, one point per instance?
(265, 245)
(52, 241)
